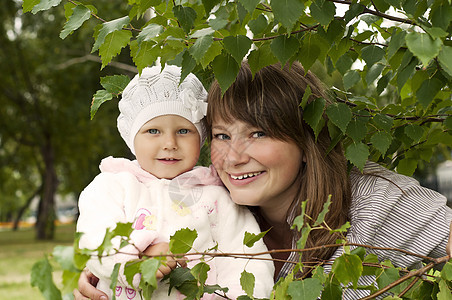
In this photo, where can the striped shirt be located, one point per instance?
(393, 210)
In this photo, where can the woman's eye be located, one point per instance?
(258, 134)
(153, 131)
(183, 131)
(221, 136)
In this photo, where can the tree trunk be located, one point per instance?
(24, 208)
(45, 224)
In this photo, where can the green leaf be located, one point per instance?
(145, 54)
(114, 276)
(64, 255)
(200, 47)
(313, 48)
(348, 268)
(386, 277)
(188, 64)
(397, 41)
(313, 114)
(80, 14)
(287, 12)
(441, 15)
(209, 4)
(43, 5)
(445, 59)
(237, 46)
(107, 28)
(131, 268)
(100, 97)
(373, 72)
(280, 289)
(383, 122)
(213, 51)
(407, 166)
(115, 84)
(186, 16)
(354, 10)
(149, 32)
(28, 5)
(323, 11)
(372, 54)
(247, 281)
(249, 5)
(261, 57)
(258, 25)
(307, 289)
(445, 292)
(284, 47)
(428, 90)
(182, 240)
(148, 270)
(249, 239)
(357, 154)
(423, 46)
(113, 44)
(414, 131)
(350, 79)
(199, 271)
(357, 130)
(446, 272)
(41, 276)
(448, 122)
(344, 63)
(225, 68)
(381, 141)
(331, 291)
(340, 114)
(321, 217)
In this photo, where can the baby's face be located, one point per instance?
(167, 146)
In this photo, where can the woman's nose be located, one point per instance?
(237, 153)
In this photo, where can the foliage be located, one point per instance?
(394, 106)
(393, 58)
(357, 268)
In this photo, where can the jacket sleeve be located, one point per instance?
(101, 206)
(231, 222)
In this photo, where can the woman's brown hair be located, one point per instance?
(271, 101)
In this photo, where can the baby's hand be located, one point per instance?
(171, 261)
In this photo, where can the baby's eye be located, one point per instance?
(258, 134)
(153, 131)
(183, 131)
(221, 136)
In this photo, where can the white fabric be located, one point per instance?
(158, 208)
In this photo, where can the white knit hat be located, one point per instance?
(156, 93)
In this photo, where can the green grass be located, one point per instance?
(18, 252)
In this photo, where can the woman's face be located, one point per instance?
(256, 169)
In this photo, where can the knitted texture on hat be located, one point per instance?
(156, 93)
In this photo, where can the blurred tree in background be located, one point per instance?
(48, 144)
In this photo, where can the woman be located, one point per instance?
(269, 159)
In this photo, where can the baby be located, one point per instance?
(162, 122)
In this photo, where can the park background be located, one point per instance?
(47, 135)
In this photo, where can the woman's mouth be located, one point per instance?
(245, 178)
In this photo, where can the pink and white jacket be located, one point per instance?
(123, 192)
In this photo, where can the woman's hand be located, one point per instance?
(87, 287)
(449, 243)
(171, 262)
